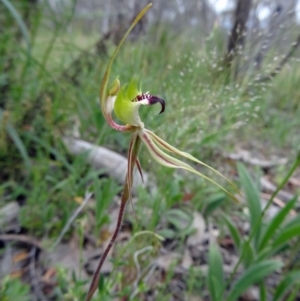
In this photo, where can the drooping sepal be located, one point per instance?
(155, 145)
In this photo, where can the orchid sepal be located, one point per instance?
(152, 141)
(163, 144)
(103, 88)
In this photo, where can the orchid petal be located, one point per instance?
(109, 105)
(168, 161)
(138, 164)
(134, 148)
(131, 161)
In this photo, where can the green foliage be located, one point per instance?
(14, 289)
(255, 251)
(8, 4)
(212, 203)
(286, 284)
(42, 97)
(180, 224)
(215, 279)
(253, 199)
(257, 272)
(104, 195)
(275, 224)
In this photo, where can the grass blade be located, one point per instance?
(20, 22)
(252, 197)
(248, 253)
(212, 203)
(294, 221)
(19, 144)
(285, 235)
(273, 226)
(235, 235)
(254, 274)
(215, 278)
(287, 283)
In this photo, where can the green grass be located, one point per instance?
(207, 113)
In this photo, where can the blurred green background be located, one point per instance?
(52, 57)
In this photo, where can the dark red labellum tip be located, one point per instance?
(154, 99)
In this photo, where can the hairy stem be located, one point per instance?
(95, 280)
(132, 159)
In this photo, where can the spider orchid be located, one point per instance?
(125, 101)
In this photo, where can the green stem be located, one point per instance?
(281, 185)
(291, 260)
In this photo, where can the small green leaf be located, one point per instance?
(275, 223)
(19, 20)
(167, 233)
(286, 284)
(285, 235)
(212, 203)
(233, 232)
(254, 274)
(101, 283)
(247, 250)
(51, 150)
(292, 222)
(215, 278)
(252, 197)
(293, 294)
(19, 144)
(179, 214)
(264, 253)
(262, 291)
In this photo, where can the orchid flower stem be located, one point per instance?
(126, 195)
(96, 277)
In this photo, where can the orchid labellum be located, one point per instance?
(125, 101)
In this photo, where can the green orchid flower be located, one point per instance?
(125, 104)
(125, 101)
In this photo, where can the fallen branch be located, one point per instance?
(8, 213)
(21, 238)
(245, 156)
(268, 186)
(277, 202)
(102, 158)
